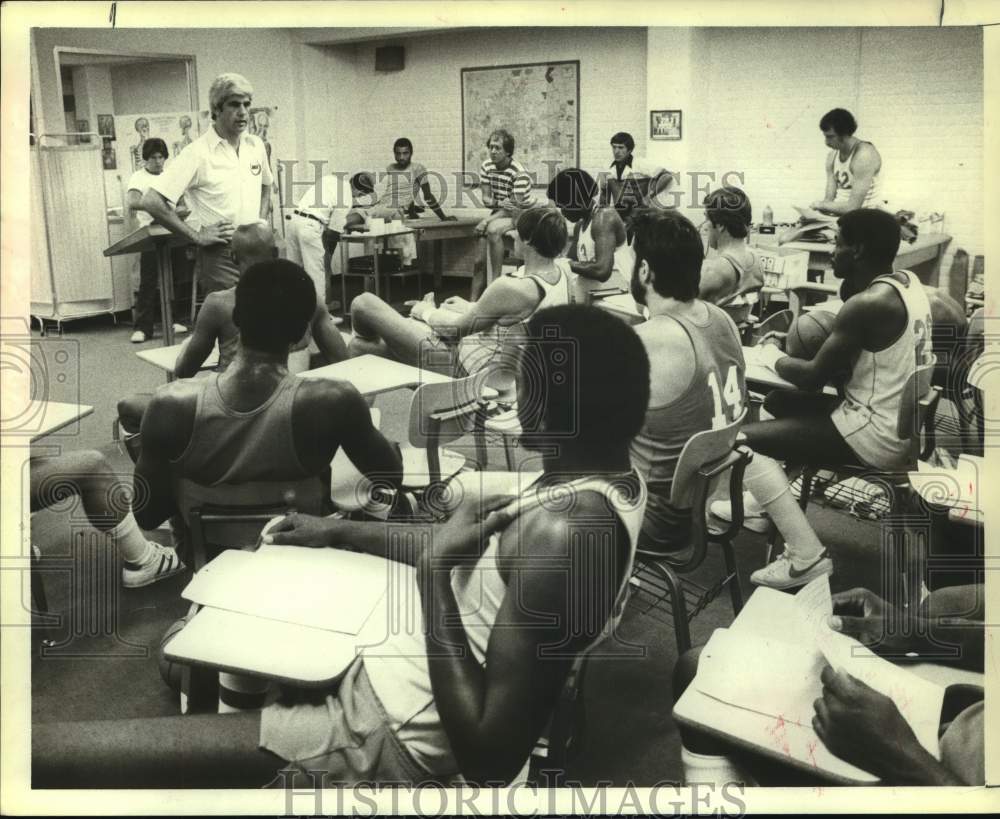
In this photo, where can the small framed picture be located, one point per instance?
(665, 124)
(106, 125)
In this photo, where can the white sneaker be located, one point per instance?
(162, 563)
(180, 329)
(754, 518)
(782, 574)
(138, 337)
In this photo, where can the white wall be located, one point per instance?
(751, 98)
(266, 56)
(761, 92)
(364, 111)
(145, 88)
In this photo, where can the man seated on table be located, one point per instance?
(852, 167)
(403, 182)
(252, 244)
(860, 725)
(731, 269)
(879, 337)
(697, 365)
(254, 423)
(446, 694)
(464, 333)
(632, 180)
(506, 189)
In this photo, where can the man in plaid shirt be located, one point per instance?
(506, 189)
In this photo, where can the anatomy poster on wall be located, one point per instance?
(178, 130)
(132, 130)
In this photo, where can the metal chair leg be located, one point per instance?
(40, 599)
(677, 604)
(735, 592)
(508, 451)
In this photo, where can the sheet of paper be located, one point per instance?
(814, 604)
(918, 700)
(761, 674)
(958, 489)
(322, 588)
(812, 215)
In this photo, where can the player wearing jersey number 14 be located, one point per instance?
(697, 367)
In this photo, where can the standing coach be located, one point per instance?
(226, 181)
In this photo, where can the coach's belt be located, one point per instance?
(309, 216)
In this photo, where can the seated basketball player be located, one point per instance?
(450, 695)
(89, 475)
(463, 332)
(255, 424)
(251, 244)
(731, 268)
(854, 721)
(879, 337)
(697, 365)
(598, 252)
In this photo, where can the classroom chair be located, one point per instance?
(350, 491)
(660, 577)
(439, 414)
(565, 735)
(915, 424)
(231, 517)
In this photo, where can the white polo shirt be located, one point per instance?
(140, 181)
(216, 182)
(329, 201)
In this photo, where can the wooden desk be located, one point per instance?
(922, 256)
(432, 230)
(54, 415)
(372, 374)
(368, 239)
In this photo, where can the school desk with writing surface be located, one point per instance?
(764, 377)
(372, 374)
(781, 739)
(48, 417)
(249, 623)
(343, 602)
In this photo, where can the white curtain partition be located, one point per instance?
(70, 275)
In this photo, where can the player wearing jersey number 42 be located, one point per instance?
(697, 367)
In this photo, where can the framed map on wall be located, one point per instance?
(538, 103)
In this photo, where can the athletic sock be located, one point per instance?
(800, 562)
(768, 484)
(131, 541)
(714, 770)
(239, 692)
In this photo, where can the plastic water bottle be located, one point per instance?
(768, 216)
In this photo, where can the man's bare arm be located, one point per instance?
(207, 331)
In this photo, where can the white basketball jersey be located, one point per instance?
(844, 178)
(868, 416)
(621, 272)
